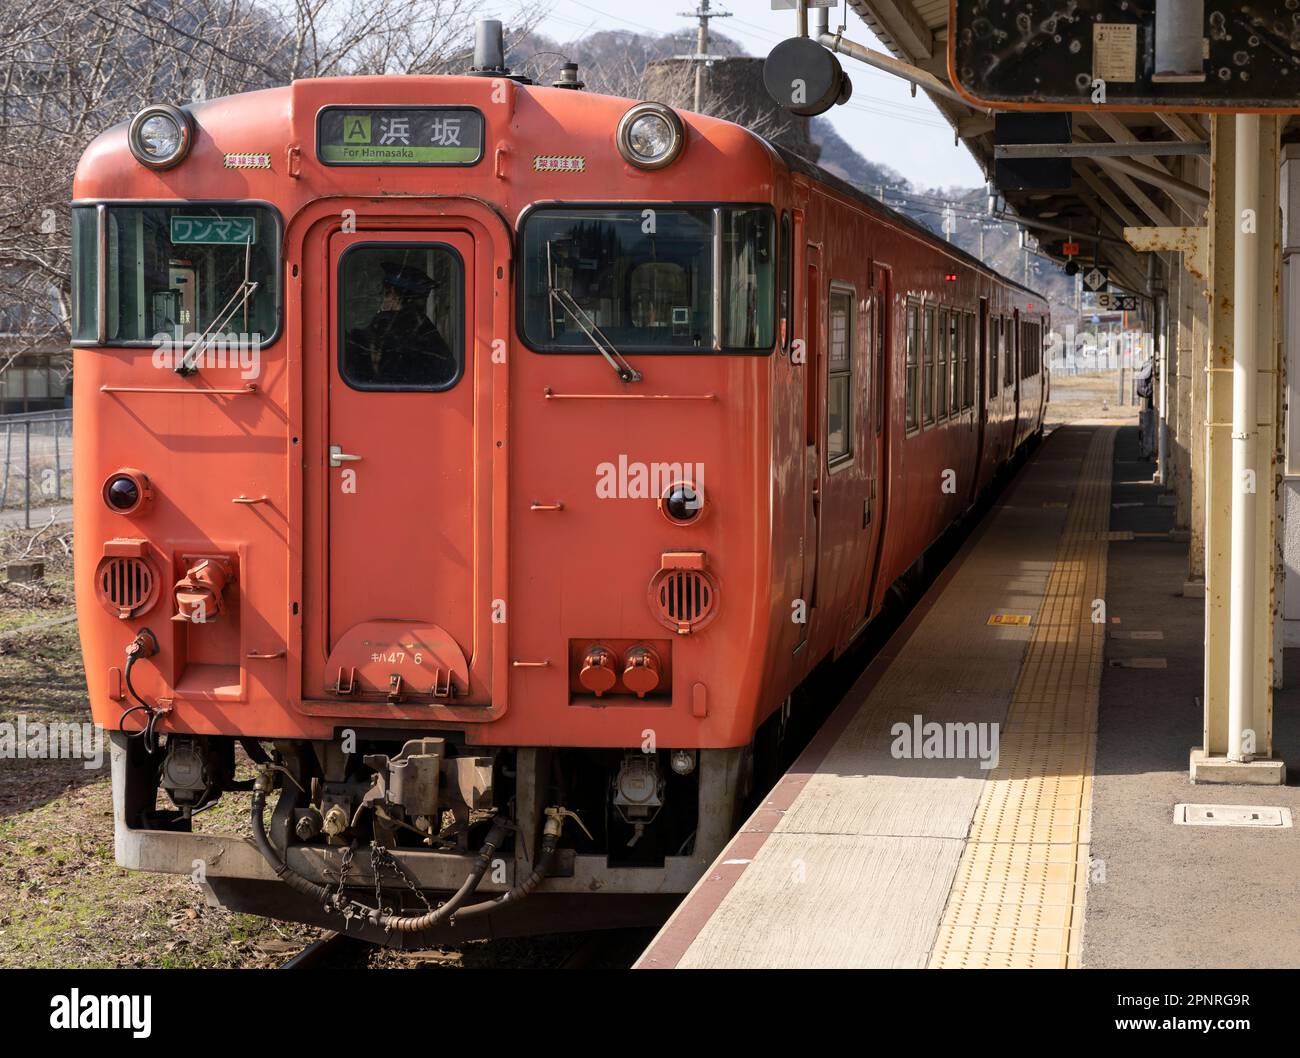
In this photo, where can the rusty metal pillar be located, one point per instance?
(1245, 238)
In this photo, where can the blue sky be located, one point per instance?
(882, 120)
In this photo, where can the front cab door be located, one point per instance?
(396, 574)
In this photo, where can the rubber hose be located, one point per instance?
(420, 923)
(282, 870)
(398, 923)
(521, 890)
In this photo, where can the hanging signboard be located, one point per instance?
(1182, 55)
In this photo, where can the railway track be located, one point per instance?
(333, 951)
(604, 949)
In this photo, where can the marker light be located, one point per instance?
(160, 136)
(682, 503)
(650, 135)
(127, 492)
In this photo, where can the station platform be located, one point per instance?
(1034, 825)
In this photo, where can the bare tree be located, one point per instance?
(71, 68)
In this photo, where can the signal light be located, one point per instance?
(951, 277)
(127, 492)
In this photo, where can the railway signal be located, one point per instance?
(1096, 278)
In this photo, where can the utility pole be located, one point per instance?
(702, 57)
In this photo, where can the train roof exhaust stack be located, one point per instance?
(490, 52)
(489, 49)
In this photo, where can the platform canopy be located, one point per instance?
(1124, 169)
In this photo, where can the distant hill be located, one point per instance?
(839, 157)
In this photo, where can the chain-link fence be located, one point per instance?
(35, 466)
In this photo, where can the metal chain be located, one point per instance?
(345, 865)
(379, 854)
(377, 867)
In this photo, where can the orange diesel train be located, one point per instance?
(490, 461)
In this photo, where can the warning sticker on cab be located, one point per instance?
(559, 163)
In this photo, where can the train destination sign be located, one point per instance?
(399, 136)
(1188, 55)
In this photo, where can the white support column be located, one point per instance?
(1245, 434)
(1242, 441)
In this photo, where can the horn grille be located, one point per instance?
(684, 600)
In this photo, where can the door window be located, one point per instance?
(913, 365)
(402, 316)
(839, 378)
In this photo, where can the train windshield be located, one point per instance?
(651, 279)
(173, 269)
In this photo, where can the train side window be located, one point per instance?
(942, 369)
(839, 378)
(1009, 353)
(969, 351)
(401, 316)
(954, 362)
(927, 367)
(913, 364)
(995, 345)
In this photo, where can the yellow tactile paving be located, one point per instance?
(1018, 897)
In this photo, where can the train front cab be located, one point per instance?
(421, 551)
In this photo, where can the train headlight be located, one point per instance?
(651, 135)
(160, 136)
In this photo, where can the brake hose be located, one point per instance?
(389, 923)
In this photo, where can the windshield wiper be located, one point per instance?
(626, 372)
(189, 362)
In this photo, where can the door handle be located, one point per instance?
(338, 457)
